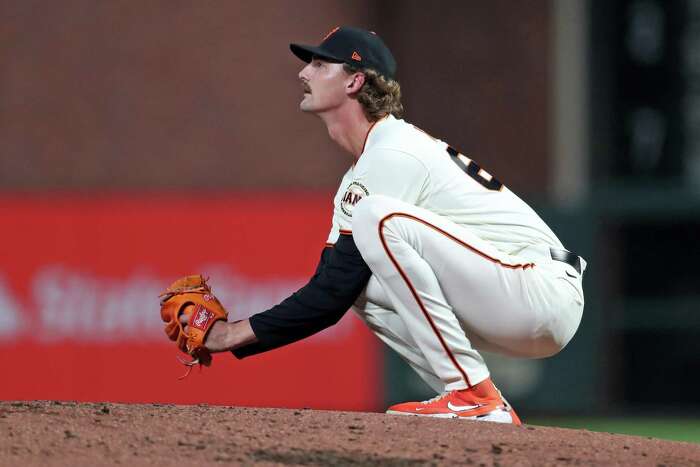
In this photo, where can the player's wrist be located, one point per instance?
(218, 339)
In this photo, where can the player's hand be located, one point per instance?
(192, 297)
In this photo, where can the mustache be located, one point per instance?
(306, 87)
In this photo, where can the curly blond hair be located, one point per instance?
(379, 96)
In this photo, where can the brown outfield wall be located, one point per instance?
(63, 433)
(203, 96)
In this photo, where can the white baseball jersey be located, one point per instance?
(405, 163)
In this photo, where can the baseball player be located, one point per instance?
(433, 253)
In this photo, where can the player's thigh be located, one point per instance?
(489, 291)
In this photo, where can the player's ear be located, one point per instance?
(357, 80)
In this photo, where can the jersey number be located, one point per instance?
(472, 169)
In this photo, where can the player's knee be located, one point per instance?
(366, 217)
(370, 211)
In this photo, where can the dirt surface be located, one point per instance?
(63, 433)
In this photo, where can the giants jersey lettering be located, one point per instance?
(403, 162)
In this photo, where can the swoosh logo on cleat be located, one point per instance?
(462, 408)
(570, 275)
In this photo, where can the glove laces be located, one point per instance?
(189, 364)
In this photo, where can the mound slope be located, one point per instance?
(64, 433)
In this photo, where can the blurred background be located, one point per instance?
(140, 142)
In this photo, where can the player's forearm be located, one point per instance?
(230, 336)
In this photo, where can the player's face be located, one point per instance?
(324, 84)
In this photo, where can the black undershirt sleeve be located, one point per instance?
(339, 278)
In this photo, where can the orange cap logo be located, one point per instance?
(356, 57)
(332, 31)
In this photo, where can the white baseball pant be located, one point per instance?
(438, 293)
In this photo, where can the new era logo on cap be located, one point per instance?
(354, 46)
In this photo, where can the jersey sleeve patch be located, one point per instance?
(353, 194)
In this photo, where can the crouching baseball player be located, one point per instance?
(436, 255)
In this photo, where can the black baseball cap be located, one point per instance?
(354, 46)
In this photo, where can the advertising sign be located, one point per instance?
(79, 314)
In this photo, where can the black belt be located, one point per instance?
(566, 257)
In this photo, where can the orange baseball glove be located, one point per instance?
(192, 297)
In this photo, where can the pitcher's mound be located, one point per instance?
(63, 433)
